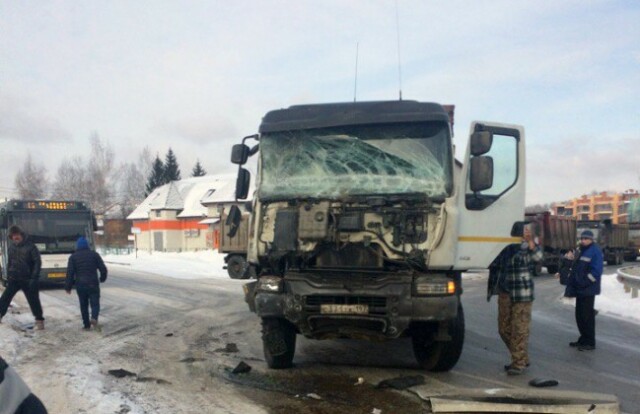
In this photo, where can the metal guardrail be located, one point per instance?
(630, 277)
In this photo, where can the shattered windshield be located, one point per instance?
(357, 160)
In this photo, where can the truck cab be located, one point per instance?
(361, 229)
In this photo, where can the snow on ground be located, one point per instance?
(184, 265)
(209, 264)
(614, 301)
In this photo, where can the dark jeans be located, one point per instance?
(89, 296)
(586, 320)
(32, 295)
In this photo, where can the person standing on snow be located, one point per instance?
(23, 271)
(511, 277)
(82, 272)
(584, 284)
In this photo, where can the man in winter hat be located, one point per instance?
(584, 284)
(23, 271)
(82, 272)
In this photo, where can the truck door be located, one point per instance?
(491, 193)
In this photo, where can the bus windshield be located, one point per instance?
(53, 232)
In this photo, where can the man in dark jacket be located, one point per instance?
(15, 396)
(23, 271)
(82, 271)
(584, 284)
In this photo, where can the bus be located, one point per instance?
(53, 226)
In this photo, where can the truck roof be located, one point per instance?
(351, 113)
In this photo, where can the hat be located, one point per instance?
(587, 234)
(82, 243)
(15, 229)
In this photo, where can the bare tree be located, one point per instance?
(31, 181)
(71, 181)
(100, 175)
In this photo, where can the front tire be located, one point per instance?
(278, 342)
(439, 356)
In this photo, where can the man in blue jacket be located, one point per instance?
(82, 271)
(584, 285)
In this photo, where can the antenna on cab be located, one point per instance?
(399, 62)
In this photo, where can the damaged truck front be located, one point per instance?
(360, 226)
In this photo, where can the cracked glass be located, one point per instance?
(357, 160)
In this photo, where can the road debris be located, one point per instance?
(230, 347)
(241, 368)
(401, 383)
(121, 373)
(360, 381)
(314, 396)
(543, 382)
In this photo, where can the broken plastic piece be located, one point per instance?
(543, 382)
(402, 383)
(241, 368)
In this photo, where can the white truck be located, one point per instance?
(361, 229)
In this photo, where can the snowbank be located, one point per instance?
(185, 265)
(615, 301)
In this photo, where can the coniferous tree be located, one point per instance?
(171, 169)
(198, 171)
(157, 176)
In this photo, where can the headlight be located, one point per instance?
(430, 286)
(271, 284)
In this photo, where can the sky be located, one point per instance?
(197, 76)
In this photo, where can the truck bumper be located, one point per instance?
(391, 308)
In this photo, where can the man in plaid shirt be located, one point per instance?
(511, 278)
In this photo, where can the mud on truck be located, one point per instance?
(360, 228)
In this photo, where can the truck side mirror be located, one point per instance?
(4, 220)
(481, 142)
(240, 154)
(233, 220)
(94, 222)
(242, 184)
(481, 175)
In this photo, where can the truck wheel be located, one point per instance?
(439, 356)
(278, 342)
(552, 269)
(237, 267)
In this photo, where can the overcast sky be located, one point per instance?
(199, 75)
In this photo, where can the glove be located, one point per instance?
(103, 279)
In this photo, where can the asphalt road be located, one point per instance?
(329, 368)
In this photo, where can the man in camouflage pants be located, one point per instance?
(511, 278)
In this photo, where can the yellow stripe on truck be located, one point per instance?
(485, 239)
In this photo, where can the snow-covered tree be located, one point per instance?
(198, 171)
(156, 176)
(31, 181)
(131, 185)
(171, 169)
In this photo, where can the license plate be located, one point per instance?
(57, 275)
(345, 309)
